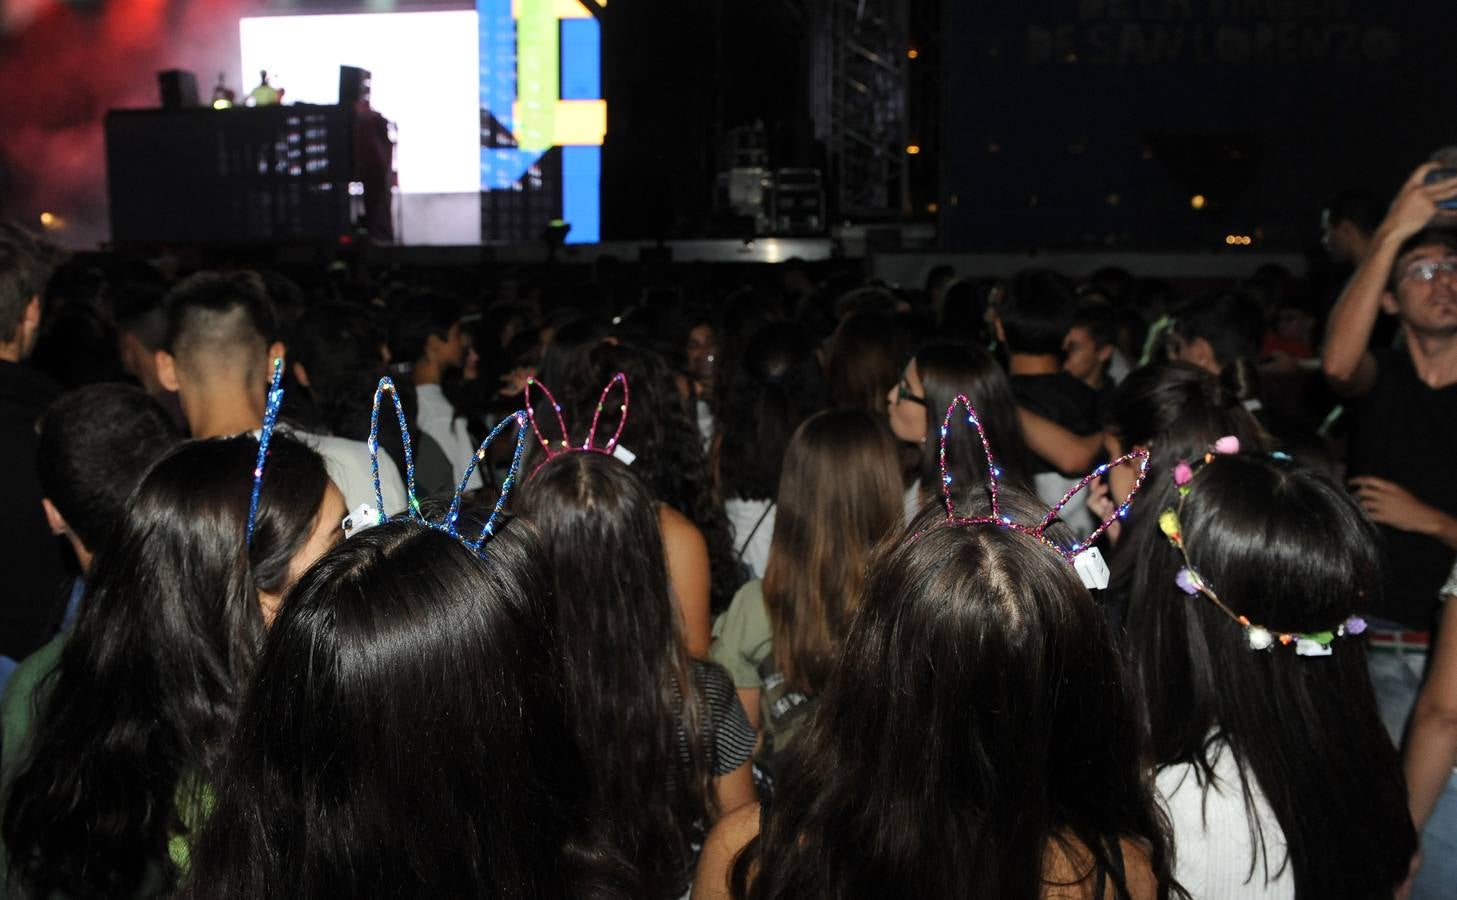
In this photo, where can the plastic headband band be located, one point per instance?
(270, 419)
(366, 517)
(589, 445)
(1082, 556)
(1189, 580)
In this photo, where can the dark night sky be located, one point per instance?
(1267, 108)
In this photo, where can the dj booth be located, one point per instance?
(240, 175)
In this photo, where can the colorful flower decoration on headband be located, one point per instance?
(1192, 583)
(270, 419)
(564, 444)
(1082, 556)
(366, 517)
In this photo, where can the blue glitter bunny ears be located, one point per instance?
(270, 419)
(366, 517)
(1082, 556)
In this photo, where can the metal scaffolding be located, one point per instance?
(860, 103)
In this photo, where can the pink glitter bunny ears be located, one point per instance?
(563, 444)
(1082, 556)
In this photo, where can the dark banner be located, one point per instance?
(1154, 124)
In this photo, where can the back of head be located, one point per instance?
(947, 370)
(1036, 312)
(418, 317)
(1176, 410)
(219, 327)
(1360, 207)
(1099, 319)
(671, 461)
(148, 680)
(627, 673)
(138, 310)
(405, 723)
(980, 704)
(862, 361)
(17, 287)
(1231, 321)
(839, 497)
(1289, 550)
(95, 445)
(963, 313)
(339, 347)
(776, 383)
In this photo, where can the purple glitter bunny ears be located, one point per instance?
(270, 420)
(589, 445)
(1082, 556)
(365, 517)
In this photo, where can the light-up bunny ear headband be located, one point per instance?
(563, 444)
(270, 419)
(366, 516)
(1082, 556)
(1192, 583)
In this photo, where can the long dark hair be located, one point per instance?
(1176, 411)
(950, 369)
(980, 719)
(840, 497)
(147, 687)
(671, 461)
(629, 678)
(405, 734)
(776, 384)
(1289, 549)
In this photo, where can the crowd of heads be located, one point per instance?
(619, 685)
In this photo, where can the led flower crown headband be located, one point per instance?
(366, 516)
(1191, 582)
(564, 444)
(1082, 556)
(270, 419)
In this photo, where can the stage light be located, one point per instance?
(1197, 201)
(47, 219)
(912, 53)
(913, 149)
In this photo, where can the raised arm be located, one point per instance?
(1348, 365)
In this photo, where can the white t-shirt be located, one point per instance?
(436, 417)
(743, 515)
(349, 469)
(1212, 835)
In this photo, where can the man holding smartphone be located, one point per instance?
(1405, 404)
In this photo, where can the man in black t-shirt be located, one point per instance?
(33, 598)
(1033, 318)
(1401, 451)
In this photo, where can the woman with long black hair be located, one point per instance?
(405, 735)
(112, 740)
(979, 737)
(662, 736)
(1278, 774)
(671, 464)
(930, 381)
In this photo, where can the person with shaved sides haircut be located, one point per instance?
(218, 355)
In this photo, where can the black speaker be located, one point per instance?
(353, 85)
(179, 89)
